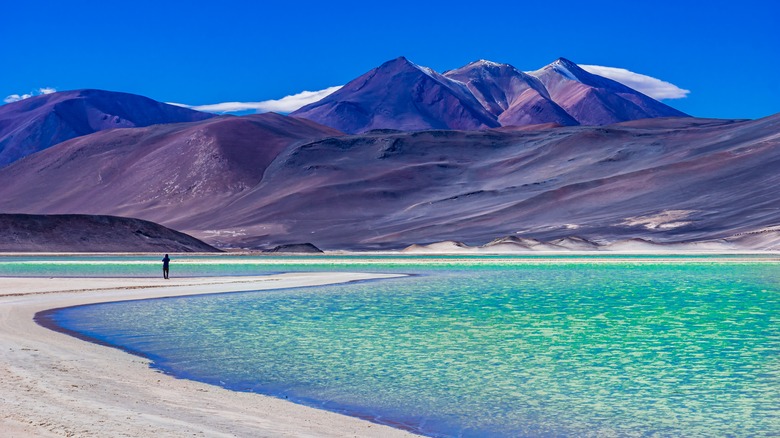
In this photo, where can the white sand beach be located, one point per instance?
(52, 384)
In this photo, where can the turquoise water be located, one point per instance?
(228, 265)
(486, 348)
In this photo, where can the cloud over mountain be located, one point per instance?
(653, 87)
(17, 97)
(286, 104)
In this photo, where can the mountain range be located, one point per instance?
(403, 155)
(402, 95)
(399, 95)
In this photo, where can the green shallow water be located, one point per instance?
(489, 349)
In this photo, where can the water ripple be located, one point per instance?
(540, 350)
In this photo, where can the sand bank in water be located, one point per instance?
(52, 384)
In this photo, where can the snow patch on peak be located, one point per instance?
(563, 67)
(487, 63)
(484, 67)
(427, 70)
(564, 62)
(441, 78)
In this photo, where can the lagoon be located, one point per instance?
(482, 346)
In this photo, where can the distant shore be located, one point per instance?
(661, 252)
(55, 385)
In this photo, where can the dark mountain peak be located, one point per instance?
(402, 65)
(399, 62)
(94, 92)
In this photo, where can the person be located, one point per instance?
(165, 261)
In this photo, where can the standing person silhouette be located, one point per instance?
(165, 261)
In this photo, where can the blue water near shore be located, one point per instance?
(481, 347)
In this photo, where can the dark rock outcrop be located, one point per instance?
(90, 233)
(296, 248)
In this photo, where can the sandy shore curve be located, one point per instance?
(52, 384)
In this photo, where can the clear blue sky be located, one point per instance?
(726, 53)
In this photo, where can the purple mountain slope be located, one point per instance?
(400, 95)
(513, 97)
(171, 171)
(665, 180)
(34, 124)
(666, 183)
(596, 100)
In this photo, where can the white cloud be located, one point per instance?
(655, 88)
(17, 97)
(286, 104)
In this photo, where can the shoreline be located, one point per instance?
(660, 252)
(53, 384)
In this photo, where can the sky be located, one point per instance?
(726, 55)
